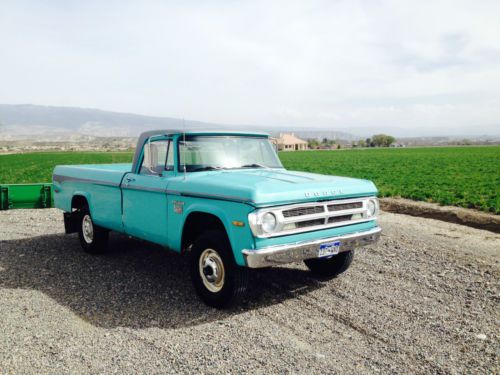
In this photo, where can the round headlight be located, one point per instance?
(268, 222)
(371, 206)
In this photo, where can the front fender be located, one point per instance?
(227, 212)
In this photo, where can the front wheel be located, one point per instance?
(94, 239)
(330, 267)
(216, 277)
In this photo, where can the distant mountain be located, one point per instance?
(27, 121)
(48, 123)
(32, 120)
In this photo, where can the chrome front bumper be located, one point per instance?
(289, 253)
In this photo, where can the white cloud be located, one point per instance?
(347, 64)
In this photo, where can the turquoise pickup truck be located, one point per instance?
(225, 200)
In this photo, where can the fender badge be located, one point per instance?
(178, 207)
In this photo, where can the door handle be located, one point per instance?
(129, 179)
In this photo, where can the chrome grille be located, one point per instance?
(310, 223)
(301, 211)
(344, 206)
(321, 215)
(314, 216)
(338, 219)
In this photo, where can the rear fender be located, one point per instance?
(87, 196)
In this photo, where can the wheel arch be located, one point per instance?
(196, 223)
(79, 200)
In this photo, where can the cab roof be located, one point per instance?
(151, 133)
(169, 132)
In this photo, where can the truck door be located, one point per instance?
(144, 211)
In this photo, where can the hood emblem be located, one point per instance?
(324, 193)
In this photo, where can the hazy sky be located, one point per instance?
(427, 65)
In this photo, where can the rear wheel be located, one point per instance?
(94, 239)
(330, 267)
(216, 277)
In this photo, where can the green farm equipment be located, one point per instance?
(26, 196)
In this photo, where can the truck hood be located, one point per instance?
(269, 187)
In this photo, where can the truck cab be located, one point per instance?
(223, 199)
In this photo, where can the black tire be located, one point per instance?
(330, 267)
(230, 281)
(95, 242)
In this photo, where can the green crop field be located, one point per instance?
(38, 167)
(460, 176)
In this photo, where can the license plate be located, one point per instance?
(328, 249)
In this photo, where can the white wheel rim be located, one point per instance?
(88, 229)
(212, 272)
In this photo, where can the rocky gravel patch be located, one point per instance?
(425, 299)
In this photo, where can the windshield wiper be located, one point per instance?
(255, 165)
(206, 168)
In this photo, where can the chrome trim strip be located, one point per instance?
(60, 178)
(298, 251)
(144, 188)
(210, 196)
(173, 192)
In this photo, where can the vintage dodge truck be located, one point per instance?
(225, 200)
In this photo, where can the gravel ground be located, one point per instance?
(425, 299)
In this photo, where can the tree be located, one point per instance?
(383, 140)
(313, 143)
(328, 142)
(369, 142)
(361, 143)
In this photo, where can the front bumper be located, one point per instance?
(289, 253)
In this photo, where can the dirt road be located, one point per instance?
(425, 299)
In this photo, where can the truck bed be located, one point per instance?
(99, 183)
(109, 173)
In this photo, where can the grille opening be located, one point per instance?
(310, 223)
(301, 211)
(344, 206)
(338, 219)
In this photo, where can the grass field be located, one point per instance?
(460, 176)
(38, 167)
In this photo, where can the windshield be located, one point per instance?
(200, 153)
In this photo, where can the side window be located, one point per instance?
(169, 166)
(155, 157)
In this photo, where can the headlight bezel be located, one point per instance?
(372, 202)
(265, 219)
(255, 219)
